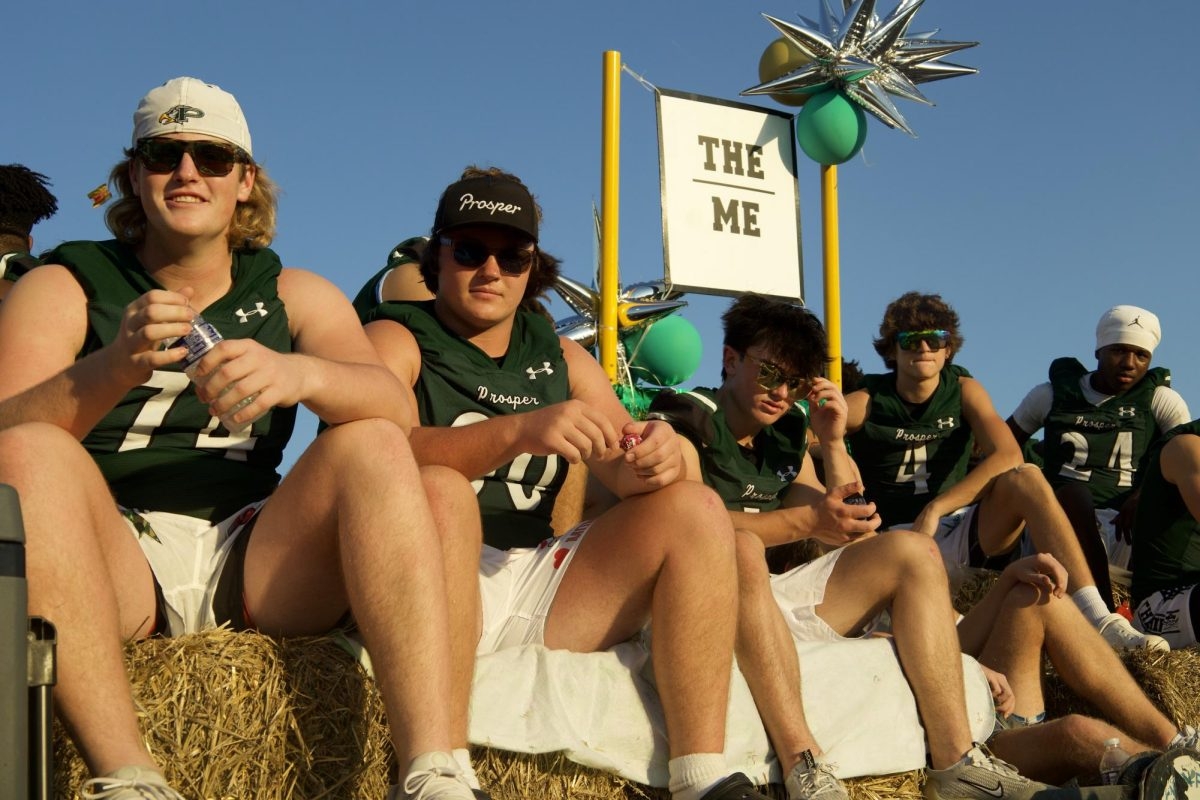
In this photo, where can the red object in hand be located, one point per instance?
(630, 441)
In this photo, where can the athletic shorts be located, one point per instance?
(517, 588)
(197, 567)
(1171, 614)
(957, 538)
(798, 592)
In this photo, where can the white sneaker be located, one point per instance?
(1121, 635)
(979, 776)
(129, 783)
(1187, 737)
(812, 780)
(433, 776)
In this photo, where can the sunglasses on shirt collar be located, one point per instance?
(911, 340)
(212, 159)
(472, 253)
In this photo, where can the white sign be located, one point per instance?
(730, 203)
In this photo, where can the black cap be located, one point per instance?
(487, 200)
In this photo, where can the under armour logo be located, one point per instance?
(545, 369)
(787, 473)
(179, 115)
(947, 422)
(244, 316)
(1136, 321)
(1126, 411)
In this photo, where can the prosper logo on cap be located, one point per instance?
(468, 202)
(179, 115)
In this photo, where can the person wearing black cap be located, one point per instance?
(204, 531)
(508, 403)
(25, 200)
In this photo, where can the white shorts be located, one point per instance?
(188, 557)
(1168, 614)
(517, 588)
(798, 592)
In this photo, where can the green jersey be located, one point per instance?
(746, 478)
(371, 294)
(909, 455)
(459, 384)
(159, 448)
(1104, 446)
(14, 265)
(1166, 537)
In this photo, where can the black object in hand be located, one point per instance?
(856, 499)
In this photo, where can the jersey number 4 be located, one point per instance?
(914, 469)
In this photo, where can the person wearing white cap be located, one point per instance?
(1099, 428)
(203, 530)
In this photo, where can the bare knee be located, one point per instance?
(1024, 480)
(914, 554)
(373, 445)
(35, 445)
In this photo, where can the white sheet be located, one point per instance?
(602, 710)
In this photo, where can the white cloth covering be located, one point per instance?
(602, 710)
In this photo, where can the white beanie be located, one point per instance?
(189, 105)
(1128, 325)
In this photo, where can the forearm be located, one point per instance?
(776, 527)
(474, 450)
(840, 468)
(340, 392)
(74, 399)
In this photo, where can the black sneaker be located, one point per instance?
(736, 787)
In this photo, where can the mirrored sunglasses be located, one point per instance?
(771, 377)
(472, 253)
(911, 340)
(212, 159)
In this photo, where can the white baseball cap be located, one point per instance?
(189, 105)
(1128, 325)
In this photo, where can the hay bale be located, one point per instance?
(1171, 681)
(232, 715)
(241, 715)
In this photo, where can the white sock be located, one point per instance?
(462, 757)
(1091, 604)
(693, 775)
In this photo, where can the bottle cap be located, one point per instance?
(1113, 742)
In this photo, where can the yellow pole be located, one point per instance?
(831, 263)
(609, 200)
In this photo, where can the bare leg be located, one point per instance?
(766, 654)
(1060, 749)
(350, 526)
(87, 575)
(1022, 497)
(666, 556)
(904, 570)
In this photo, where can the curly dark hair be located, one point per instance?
(542, 274)
(25, 200)
(791, 333)
(914, 311)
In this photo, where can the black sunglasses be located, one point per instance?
(212, 159)
(473, 253)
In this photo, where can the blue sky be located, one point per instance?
(1058, 181)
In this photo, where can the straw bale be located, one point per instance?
(1171, 681)
(241, 715)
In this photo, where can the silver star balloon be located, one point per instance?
(869, 58)
(637, 305)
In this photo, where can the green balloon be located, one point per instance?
(665, 352)
(831, 128)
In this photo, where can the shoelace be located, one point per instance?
(416, 782)
(998, 765)
(811, 781)
(110, 787)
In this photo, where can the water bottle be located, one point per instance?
(202, 338)
(1112, 762)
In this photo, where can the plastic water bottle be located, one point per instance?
(1112, 762)
(202, 338)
